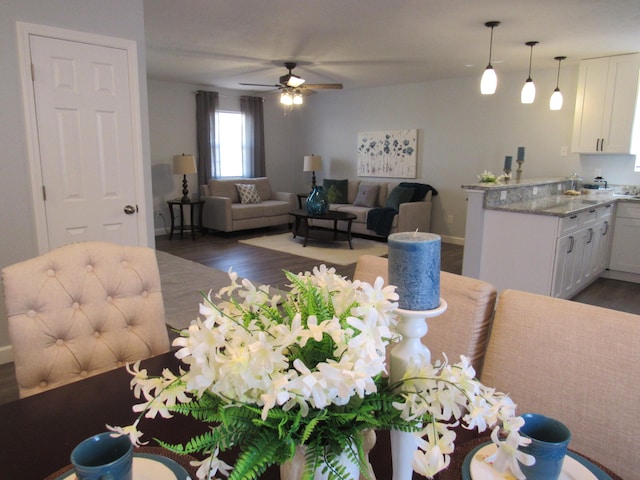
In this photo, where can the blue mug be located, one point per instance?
(103, 457)
(549, 441)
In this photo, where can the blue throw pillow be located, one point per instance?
(397, 196)
(335, 190)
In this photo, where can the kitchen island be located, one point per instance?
(528, 235)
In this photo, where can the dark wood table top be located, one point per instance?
(38, 433)
(329, 215)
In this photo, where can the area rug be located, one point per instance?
(182, 281)
(338, 253)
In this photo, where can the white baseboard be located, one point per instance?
(624, 276)
(452, 240)
(6, 354)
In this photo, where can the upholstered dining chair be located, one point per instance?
(574, 362)
(82, 309)
(464, 328)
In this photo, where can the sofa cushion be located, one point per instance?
(248, 193)
(352, 190)
(243, 211)
(359, 212)
(335, 190)
(397, 196)
(224, 188)
(367, 194)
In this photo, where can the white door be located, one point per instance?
(85, 133)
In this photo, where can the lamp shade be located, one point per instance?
(312, 163)
(184, 164)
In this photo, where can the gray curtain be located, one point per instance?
(208, 158)
(253, 156)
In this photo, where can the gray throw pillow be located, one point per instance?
(366, 196)
(397, 196)
(248, 193)
(335, 190)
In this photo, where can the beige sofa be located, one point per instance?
(223, 210)
(411, 216)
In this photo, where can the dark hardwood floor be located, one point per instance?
(222, 251)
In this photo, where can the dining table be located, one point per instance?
(39, 432)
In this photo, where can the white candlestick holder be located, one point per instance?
(412, 325)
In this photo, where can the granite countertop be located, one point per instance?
(513, 184)
(562, 205)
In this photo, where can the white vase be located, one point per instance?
(292, 470)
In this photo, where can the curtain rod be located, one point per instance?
(227, 96)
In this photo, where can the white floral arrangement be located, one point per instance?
(269, 373)
(489, 177)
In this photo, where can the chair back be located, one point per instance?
(82, 309)
(464, 328)
(574, 362)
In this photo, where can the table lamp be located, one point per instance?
(311, 164)
(183, 165)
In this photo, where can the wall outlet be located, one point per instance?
(503, 195)
(449, 219)
(535, 190)
(564, 151)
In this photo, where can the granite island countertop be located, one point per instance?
(561, 205)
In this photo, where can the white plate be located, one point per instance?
(147, 466)
(572, 469)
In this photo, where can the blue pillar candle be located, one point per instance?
(521, 154)
(414, 268)
(507, 162)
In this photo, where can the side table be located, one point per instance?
(193, 205)
(302, 199)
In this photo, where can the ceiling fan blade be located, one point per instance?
(324, 86)
(260, 85)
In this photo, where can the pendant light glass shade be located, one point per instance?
(297, 98)
(286, 98)
(555, 102)
(489, 80)
(528, 94)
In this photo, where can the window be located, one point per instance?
(229, 142)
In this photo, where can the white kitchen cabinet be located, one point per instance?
(607, 114)
(625, 247)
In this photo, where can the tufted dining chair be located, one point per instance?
(463, 329)
(82, 309)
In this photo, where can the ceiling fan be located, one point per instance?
(292, 82)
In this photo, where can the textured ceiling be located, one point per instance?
(364, 43)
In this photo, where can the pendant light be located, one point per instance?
(528, 94)
(555, 102)
(489, 80)
(286, 98)
(297, 98)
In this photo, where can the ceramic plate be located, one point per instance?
(574, 467)
(147, 466)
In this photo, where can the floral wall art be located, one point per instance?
(387, 154)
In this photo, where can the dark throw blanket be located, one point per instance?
(380, 220)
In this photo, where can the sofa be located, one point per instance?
(224, 209)
(411, 216)
(568, 360)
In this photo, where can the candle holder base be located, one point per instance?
(519, 170)
(412, 325)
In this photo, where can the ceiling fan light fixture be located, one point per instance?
(528, 94)
(291, 80)
(286, 98)
(489, 81)
(556, 100)
(297, 98)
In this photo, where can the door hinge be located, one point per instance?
(44, 193)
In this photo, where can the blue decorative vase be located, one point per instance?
(317, 203)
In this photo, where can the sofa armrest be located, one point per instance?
(414, 216)
(290, 198)
(217, 213)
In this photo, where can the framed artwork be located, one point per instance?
(387, 154)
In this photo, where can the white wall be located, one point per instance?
(116, 18)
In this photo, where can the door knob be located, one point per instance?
(129, 209)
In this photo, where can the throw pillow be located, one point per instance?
(366, 196)
(397, 196)
(335, 190)
(248, 193)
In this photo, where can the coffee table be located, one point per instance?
(302, 215)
